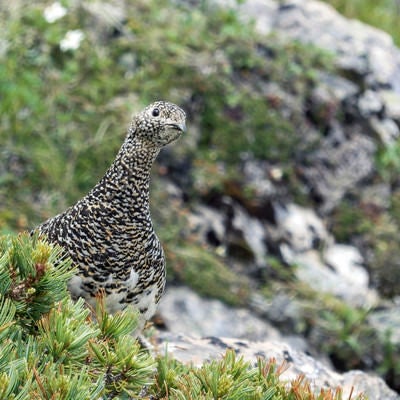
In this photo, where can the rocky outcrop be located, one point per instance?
(199, 350)
(350, 114)
(211, 328)
(326, 266)
(358, 108)
(347, 114)
(365, 51)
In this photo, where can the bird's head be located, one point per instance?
(159, 123)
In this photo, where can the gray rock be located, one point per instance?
(300, 229)
(183, 311)
(337, 169)
(206, 222)
(346, 260)
(370, 103)
(378, 195)
(341, 277)
(328, 96)
(391, 100)
(231, 229)
(256, 176)
(373, 386)
(283, 310)
(197, 351)
(318, 23)
(387, 322)
(386, 130)
(338, 87)
(252, 232)
(352, 282)
(358, 47)
(322, 264)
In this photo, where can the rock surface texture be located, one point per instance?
(197, 351)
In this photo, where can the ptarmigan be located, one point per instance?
(109, 234)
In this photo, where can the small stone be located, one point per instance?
(391, 101)
(252, 232)
(336, 168)
(300, 227)
(386, 129)
(378, 195)
(338, 87)
(347, 261)
(208, 225)
(341, 277)
(387, 320)
(370, 103)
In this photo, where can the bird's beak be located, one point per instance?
(181, 127)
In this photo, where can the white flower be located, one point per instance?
(54, 12)
(72, 40)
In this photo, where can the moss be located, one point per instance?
(349, 220)
(331, 326)
(334, 328)
(279, 271)
(375, 230)
(343, 333)
(207, 274)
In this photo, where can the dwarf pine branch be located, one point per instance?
(54, 348)
(33, 276)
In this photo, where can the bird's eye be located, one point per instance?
(156, 112)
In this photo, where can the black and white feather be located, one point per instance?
(109, 234)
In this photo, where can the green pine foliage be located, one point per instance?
(32, 277)
(232, 378)
(54, 348)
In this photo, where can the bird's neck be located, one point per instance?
(127, 180)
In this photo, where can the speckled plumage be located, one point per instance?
(109, 233)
